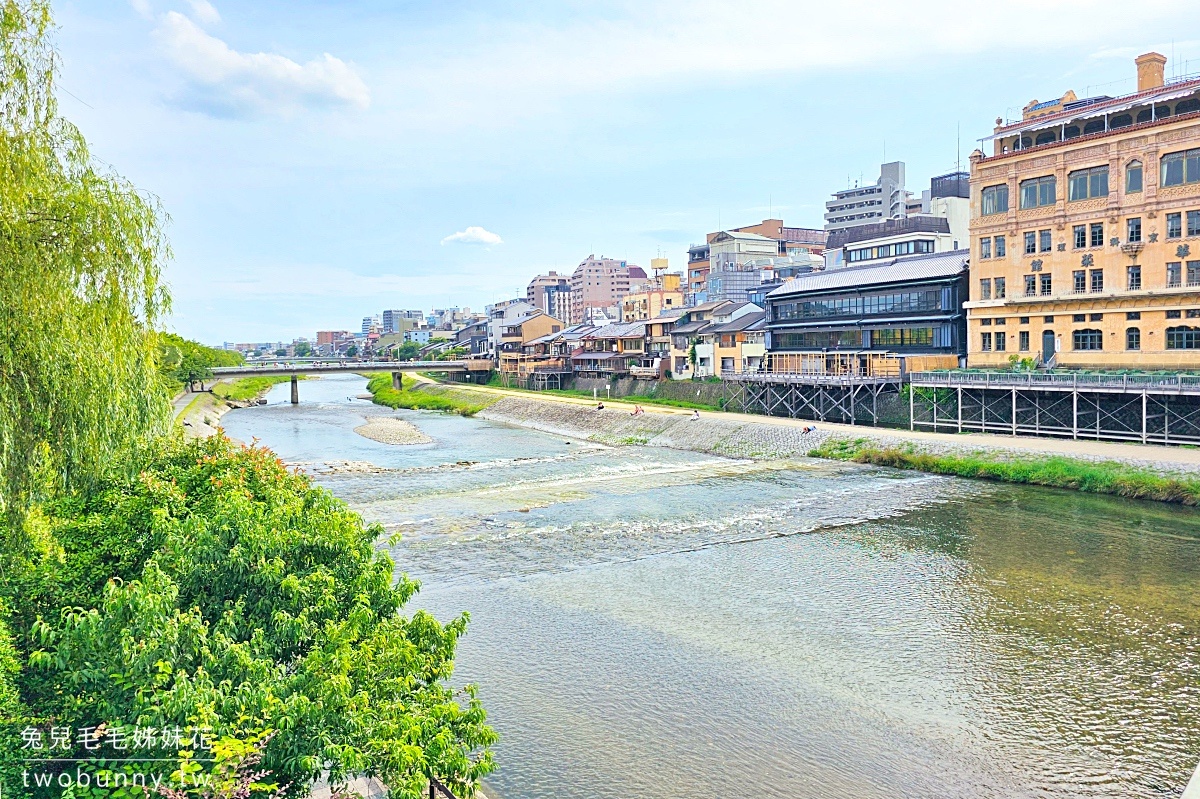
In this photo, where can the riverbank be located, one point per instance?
(427, 395)
(201, 415)
(1167, 474)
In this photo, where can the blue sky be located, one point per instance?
(318, 158)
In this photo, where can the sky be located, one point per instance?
(321, 161)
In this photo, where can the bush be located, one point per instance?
(217, 589)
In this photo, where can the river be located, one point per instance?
(653, 623)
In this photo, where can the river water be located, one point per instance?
(654, 623)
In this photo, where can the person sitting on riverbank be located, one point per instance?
(695, 414)
(599, 406)
(637, 410)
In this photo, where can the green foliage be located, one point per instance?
(247, 388)
(352, 351)
(218, 589)
(280, 353)
(81, 254)
(303, 349)
(1054, 471)
(462, 403)
(407, 351)
(183, 362)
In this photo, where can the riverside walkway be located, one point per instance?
(1166, 458)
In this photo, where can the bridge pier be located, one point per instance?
(295, 390)
(398, 381)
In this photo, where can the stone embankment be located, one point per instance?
(739, 437)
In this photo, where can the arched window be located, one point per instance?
(1133, 338)
(1022, 142)
(1183, 338)
(1188, 106)
(1162, 111)
(1145, 115)
(1046, 137)
(1133, 177)
(1088, 339)
(1095, 126)
(1121, 121)
(1071, 132)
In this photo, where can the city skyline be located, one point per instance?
(347, 171)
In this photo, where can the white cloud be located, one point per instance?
(143, 8)
(473, 235)
(204, 12)
(505, 67)
(225, 81)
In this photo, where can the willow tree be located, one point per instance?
(81, 254)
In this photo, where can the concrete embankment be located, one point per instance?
(739, 435)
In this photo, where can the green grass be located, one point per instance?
(1055, 471)
(447, 399)
(247, 388)
(632, 399)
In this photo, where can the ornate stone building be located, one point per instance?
(1085, 231)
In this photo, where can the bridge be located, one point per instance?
(295, 367)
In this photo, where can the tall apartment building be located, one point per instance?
(600, 283)
(867, 205)
(936, 221)
(392, 320)
(1085, 232)
(371, 324)
(542, 290)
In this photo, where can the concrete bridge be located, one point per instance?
(308, 366)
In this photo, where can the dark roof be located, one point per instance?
(743, 322)
(918, 223)
(620, 330)
(690, 327)
(898, 270)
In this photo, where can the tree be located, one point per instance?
(281, 352)
(185, 362)
(407, 351)
(246, 599)
(303, 349)
(352, 351)
(81, 254)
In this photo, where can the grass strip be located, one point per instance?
(427, 397)
(1054, 471)
(248, 388)
(632, 399)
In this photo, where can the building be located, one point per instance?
(418, 336)
(611, 350)
(738, 345)
(500, 314)
(371, 324)
(600, 283)
(397, 321)
(543, 290)
(793, 241)
(331, 337)
(937, 221)
(869, 205)
(691, 354)
(516, 333)
(650, 298)
(906, 306)
(1085, 231)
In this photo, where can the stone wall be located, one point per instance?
(683, 390)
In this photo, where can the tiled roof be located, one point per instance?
(691, 327)
(898, 270)
(620, 330)
(743, 322)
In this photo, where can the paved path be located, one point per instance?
(1090, 449)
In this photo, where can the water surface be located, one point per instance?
(646, 622)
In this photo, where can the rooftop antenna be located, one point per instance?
(958, 147)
